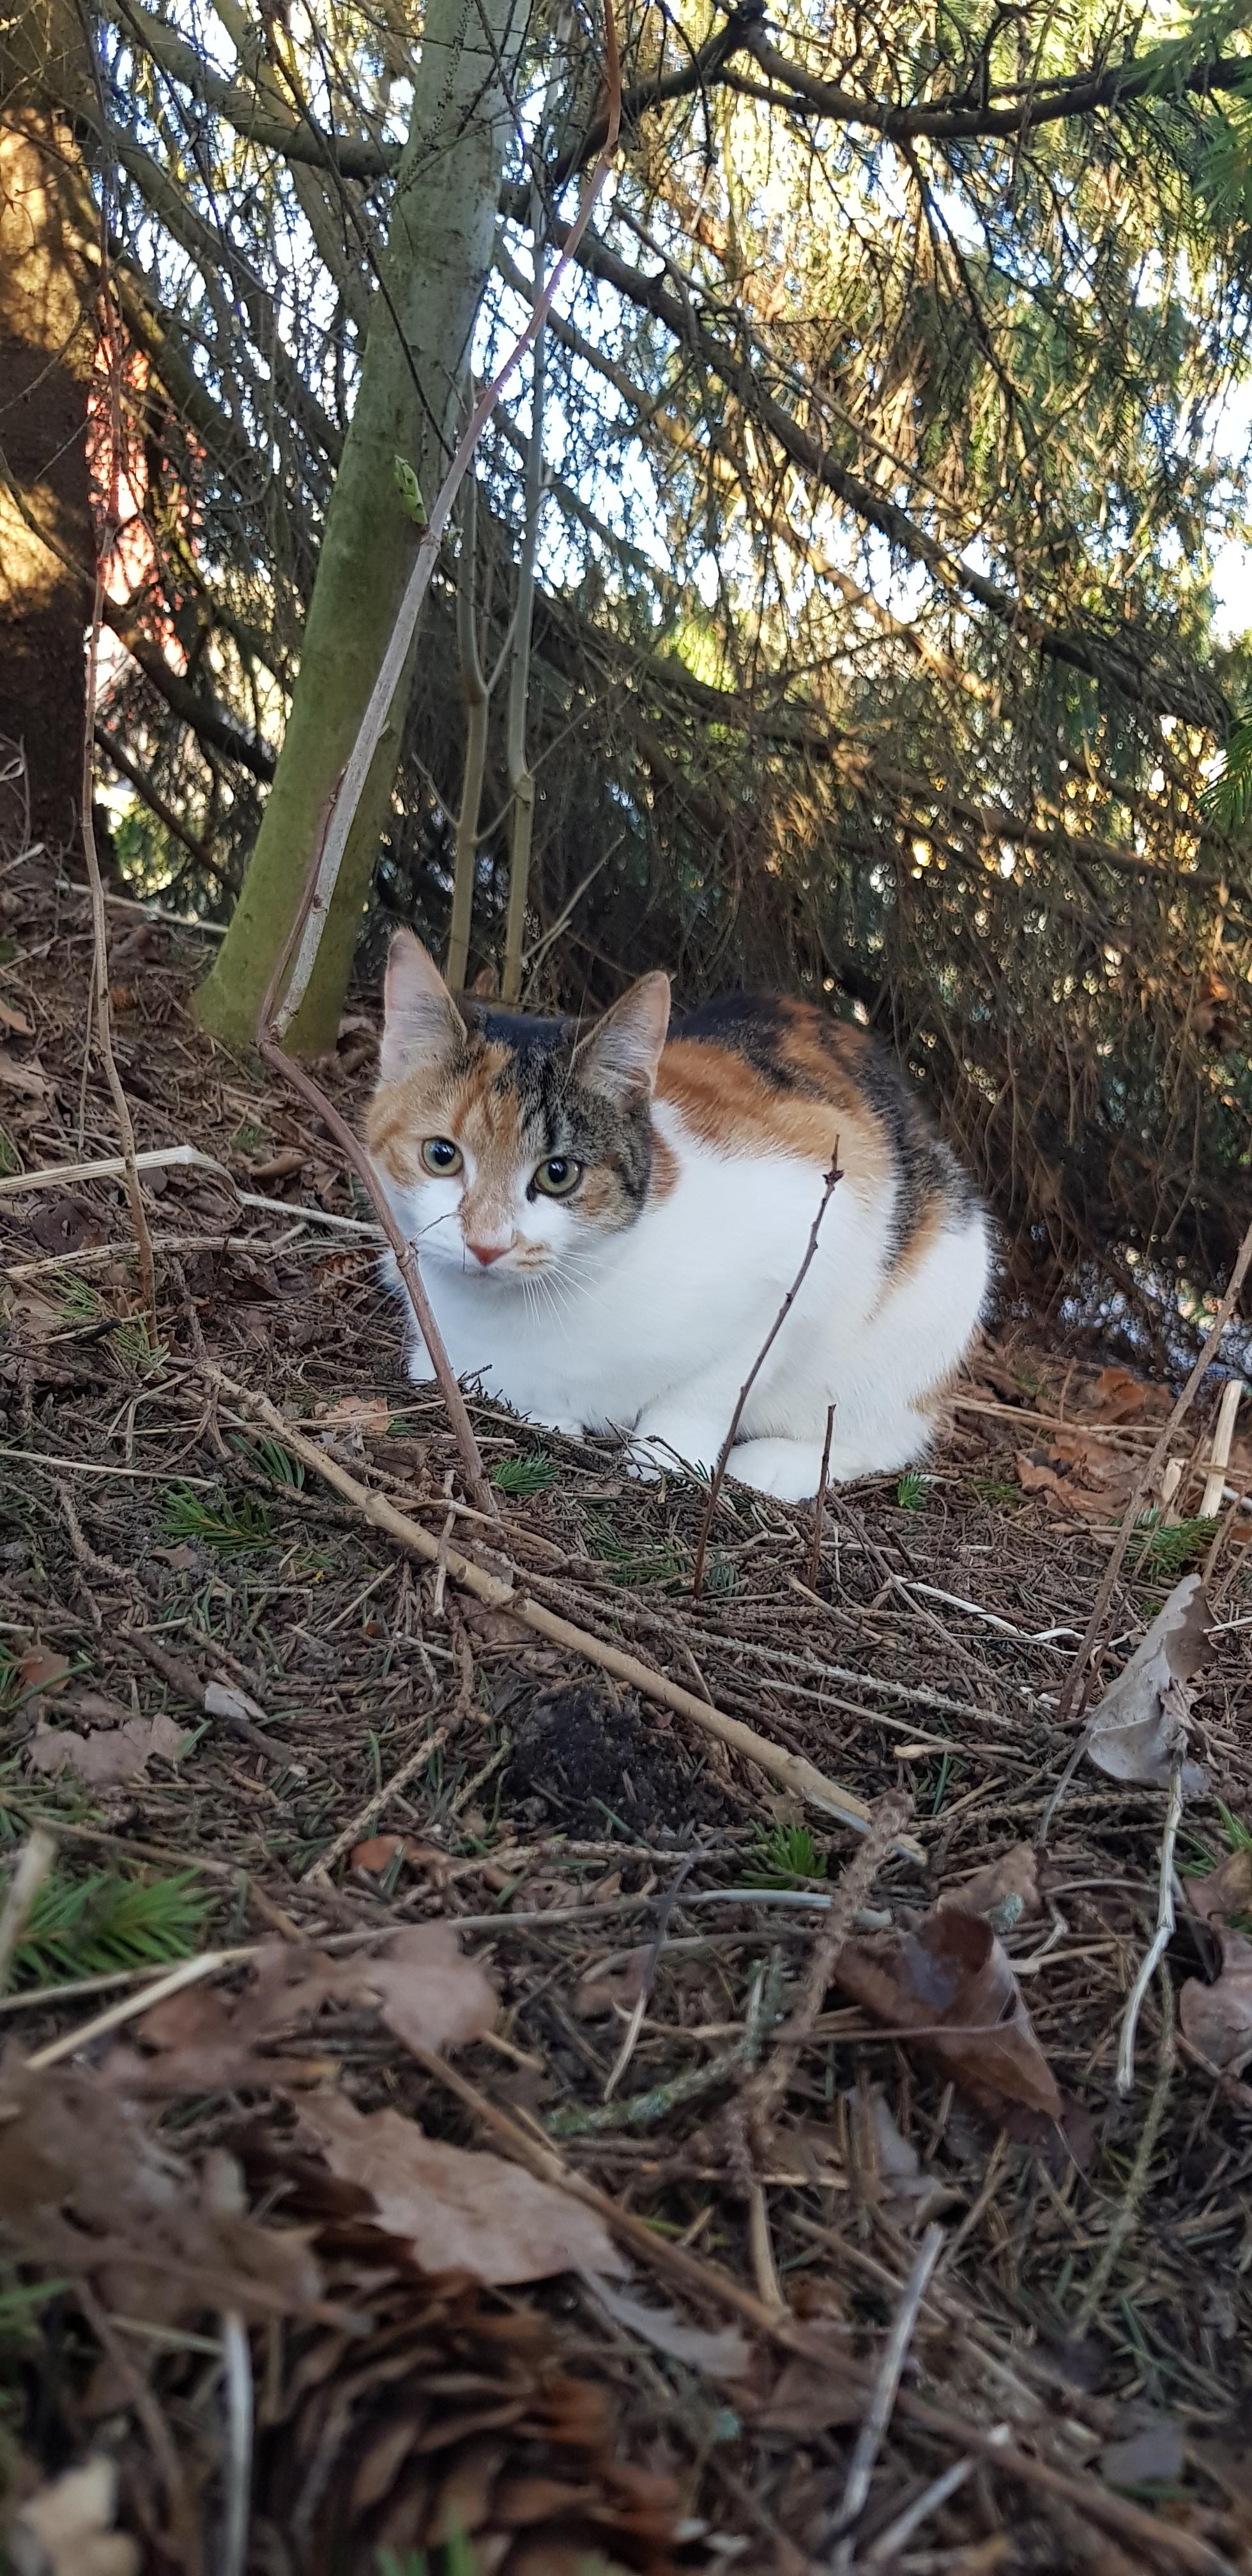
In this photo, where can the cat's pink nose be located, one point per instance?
(487, 1252)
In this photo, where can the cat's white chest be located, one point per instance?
(691, 1285)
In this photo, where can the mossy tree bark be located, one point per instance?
(438, 257)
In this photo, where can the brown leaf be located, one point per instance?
(425, 1991)
(908, 2193)
(85, 2191)
(721, 2353)
(1135, 1731)
(458, 2209)
(1117, 1396)
(953, 1971)
(107, 1757)
(815, 2394)
(1218, 2018)
(354, 1413)
(41, 1669)
(281, 1166)
(29, 1078)
(1226, 1891)
(65, 1225)
(15, 1021)
(67, 2528)
(605, 1988)
(1004, 1893)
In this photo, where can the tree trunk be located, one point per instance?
(438, 257)
(48, 336)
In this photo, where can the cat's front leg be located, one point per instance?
(670, 1442)
(419, 1367)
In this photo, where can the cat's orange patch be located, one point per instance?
(726, 1102)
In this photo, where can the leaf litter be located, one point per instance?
(565, 1826)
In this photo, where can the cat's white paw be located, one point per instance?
(790, 1470)
(566, 1423)
(690, 1450)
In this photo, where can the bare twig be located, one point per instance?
(790, 1769)
(1123, 2223)
(33, 1864)
(882, 2403)
(1164, 1932)
(716, 1479)
(844, 1905)
(819, 1503)
(360, 1824)
(104, 1019)
(1079, 1678)
(301, 1080)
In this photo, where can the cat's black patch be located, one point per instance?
(753, 1025)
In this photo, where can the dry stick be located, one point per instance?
(301, 1081)
(104, 1022)
(410, 1770)
(1127, 2213)
(819, 1506)
(718, 1475)
(845, 1904)
(1078, 1680)
(378, 709)
(34, 1862)
(790, 1769)
(869, 2440)
(1219, 1455)
(1164, 1932)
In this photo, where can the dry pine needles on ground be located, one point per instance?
(799, 2218)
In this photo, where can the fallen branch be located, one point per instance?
(715, 1481)
(270, 1048)
(791, 1770)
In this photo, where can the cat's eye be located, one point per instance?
(442, 1157)
(558, 1176)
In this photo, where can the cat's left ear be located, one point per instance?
(620, 1055)
(422, 1026)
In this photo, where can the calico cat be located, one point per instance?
(608, 1223)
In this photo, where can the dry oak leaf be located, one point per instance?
(1005, 1892)
(721, 2352)
(1137, 1729)
(29, 1078)
(613, 1986)
(907, 2192)
(66, 2529)
(109, 1756)
(1226, 1891)
(425, 1991)
(41, 1669)
(85, 2191)
(458, 2209)
(366, 1413)
(1218, 2018)
(952, 1984)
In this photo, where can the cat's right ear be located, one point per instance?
(422, 1027)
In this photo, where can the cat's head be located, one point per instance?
(510, 1145)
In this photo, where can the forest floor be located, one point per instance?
(795, 2217)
